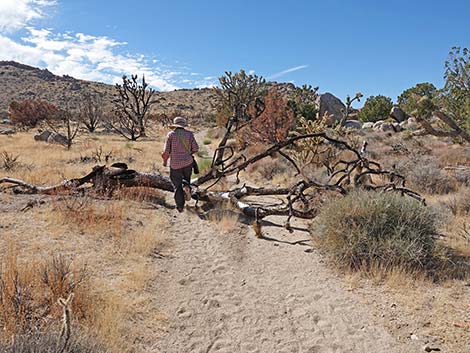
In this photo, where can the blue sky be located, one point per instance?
(376, 47)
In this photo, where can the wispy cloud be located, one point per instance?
(15, 14)
(84, 56)
(285, 72)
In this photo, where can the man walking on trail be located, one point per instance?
(180, 146)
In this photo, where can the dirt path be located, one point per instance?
(236, 293)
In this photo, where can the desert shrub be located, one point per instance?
(425, 175)
(28, 294)
(376, 108)
(462, 176)
(207, 141)
(50, 343)
(367, 229)
(459, 204)
(8, 161)
(29, 113)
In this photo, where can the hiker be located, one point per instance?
(180, 146)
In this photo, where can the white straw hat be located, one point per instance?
(179, 121)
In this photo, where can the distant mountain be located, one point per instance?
(19, 82)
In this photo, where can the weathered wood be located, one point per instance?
(456, 130)
(300, 199)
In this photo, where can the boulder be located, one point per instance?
(398, 114)
(397, 127)
(54, 137)
(328, 103)
(42, 135)
(353, 124)
(7, 131)
(51, 137)
(378, 124)
(387, 127)
(368, 125)
(410, 124)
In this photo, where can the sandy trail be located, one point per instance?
(236, 293)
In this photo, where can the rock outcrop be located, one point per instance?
(329, 104)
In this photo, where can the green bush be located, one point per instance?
(408, 100)
(376, 108)
(366, 229)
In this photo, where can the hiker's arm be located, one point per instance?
(166, 153)
(194, 145)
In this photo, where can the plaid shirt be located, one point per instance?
(177, 151)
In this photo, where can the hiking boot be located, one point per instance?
(180, 209)
(187, 192)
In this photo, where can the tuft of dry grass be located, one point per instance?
(459, 204)
(29, 293)
(90, 216)
(225, 219)
(48, 343)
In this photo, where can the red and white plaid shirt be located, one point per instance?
(180, 154)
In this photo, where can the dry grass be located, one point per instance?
(87, 215)
(225, 219)
(29, 293)
(115, 238)
(459, 204)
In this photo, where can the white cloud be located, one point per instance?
(87, 57)
(84, 56)
(284, 72)
(15, 14)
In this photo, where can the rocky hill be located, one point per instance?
(19, 82)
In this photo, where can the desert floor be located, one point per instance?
(202, 281)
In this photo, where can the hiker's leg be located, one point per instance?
(187, 171)
(187, 182)
(176, 176)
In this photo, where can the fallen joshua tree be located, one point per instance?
(300, 200)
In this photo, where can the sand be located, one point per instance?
(233, 292)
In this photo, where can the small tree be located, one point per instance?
(376, 108)
(241, 94)
(132, 106)
(28, 113)
(276, 121)
(455, 97)
(65, 125)
(91, 112)
(408, 100)
(303, 102)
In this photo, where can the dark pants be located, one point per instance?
(180, 177)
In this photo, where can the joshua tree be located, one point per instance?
(65, 125)
(241, 94)
(132, 105)
(91, 112)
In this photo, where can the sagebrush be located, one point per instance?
(366, 228)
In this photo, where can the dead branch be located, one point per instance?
(301, 200)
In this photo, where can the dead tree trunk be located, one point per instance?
(300, 200)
